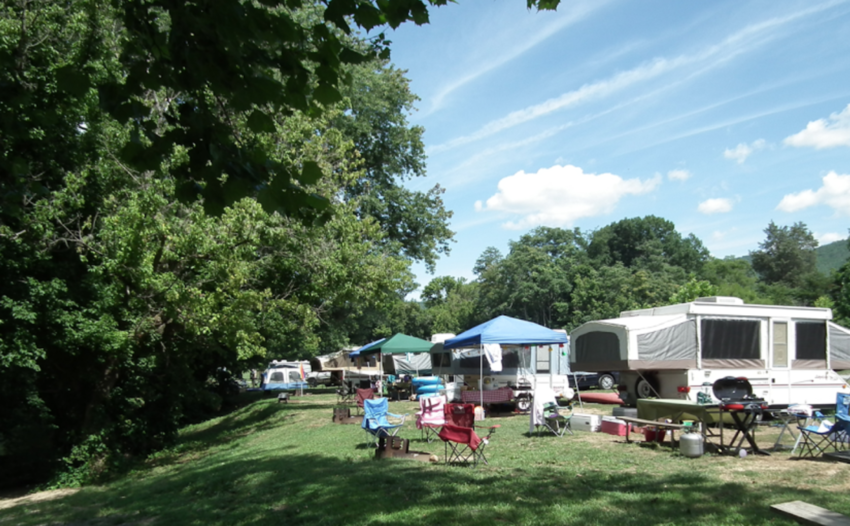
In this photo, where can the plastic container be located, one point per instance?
(479, 413)
(583, 422)
(692, 445)
(651, 434)
(613, 426)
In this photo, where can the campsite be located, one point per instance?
(287, 463)
(424, 262)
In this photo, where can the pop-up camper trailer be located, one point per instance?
(787, 353)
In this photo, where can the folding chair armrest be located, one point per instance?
(843, 418)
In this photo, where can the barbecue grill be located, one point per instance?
(736, 398)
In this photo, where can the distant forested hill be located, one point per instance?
(830, 257)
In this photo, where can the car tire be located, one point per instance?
(646, 387)
(312, 382)
(629, 412)
(606, 381)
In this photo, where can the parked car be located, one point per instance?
(319, 378)
(586, 380)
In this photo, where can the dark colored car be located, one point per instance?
(586, 380)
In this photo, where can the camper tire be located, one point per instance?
(646, 387)
(606, 381)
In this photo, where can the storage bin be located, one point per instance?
(582, 422)
(613, 426)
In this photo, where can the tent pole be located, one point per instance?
(578, 391)
(481, 378)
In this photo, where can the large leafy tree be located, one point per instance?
(786, 255)
(136, 274)
(642, 240)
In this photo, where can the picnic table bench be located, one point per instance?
(663, 426)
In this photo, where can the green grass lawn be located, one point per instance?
(270, 463)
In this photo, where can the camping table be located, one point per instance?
(786, 421)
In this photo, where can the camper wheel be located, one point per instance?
(646, 387)
(606, 381)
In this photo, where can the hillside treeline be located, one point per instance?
(563, 278)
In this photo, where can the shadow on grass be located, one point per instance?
(310, 489)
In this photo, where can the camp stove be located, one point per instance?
(736, 398)
(736, 394)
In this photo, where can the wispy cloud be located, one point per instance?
(576, 14)
(834, 193)
(560, 195)
(831, 237)
(824, 133)
(744, 150)
(712, 56)
(715, 206)
(679, 175)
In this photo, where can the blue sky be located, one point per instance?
(719, 116)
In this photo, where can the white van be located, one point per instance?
(788, 353)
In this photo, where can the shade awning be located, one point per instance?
(398, 344)
(505, 330)
(355, 354)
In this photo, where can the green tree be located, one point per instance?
(692, 290)
(637, 241)
(786, 255)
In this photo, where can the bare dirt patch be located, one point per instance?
(41, 496)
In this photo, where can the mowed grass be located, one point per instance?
(270, 463)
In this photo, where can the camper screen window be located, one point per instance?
(811, 340)
(730, 340)
(597, 346)
(277, 377)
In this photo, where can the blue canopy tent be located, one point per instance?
(504, 330)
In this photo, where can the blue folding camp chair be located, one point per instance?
(375, 421)
(817, 438)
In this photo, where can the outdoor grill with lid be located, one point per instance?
(736, 398)
(736, 394)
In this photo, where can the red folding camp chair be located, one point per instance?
(461, 414)
(463, 445)
(363, 394)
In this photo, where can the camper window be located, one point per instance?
(597, 346)
(811, 340)
(730, 339)
(277, 377)
(543, 355)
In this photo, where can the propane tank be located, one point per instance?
(692, 445)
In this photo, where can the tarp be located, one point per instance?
(398, 344)
(418, 364)
(355, 354)
(505, 330)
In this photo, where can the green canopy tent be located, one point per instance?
(398, 344)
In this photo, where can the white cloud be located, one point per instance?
(824, 133)
(560, 195)
(835, 192)
(715, 206)
(825, 239)
(744, 150)
(679, 175)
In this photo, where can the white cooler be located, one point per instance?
(582, 422)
